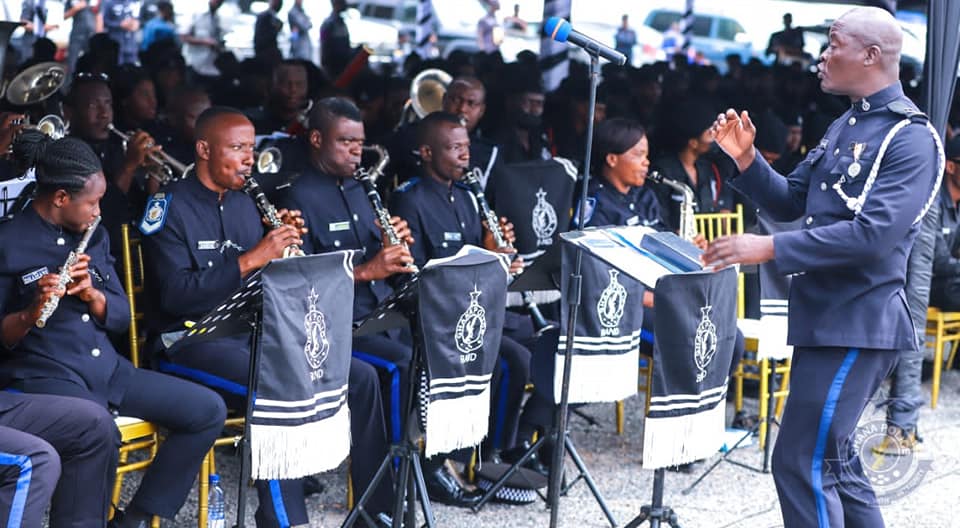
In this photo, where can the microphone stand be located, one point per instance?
(573, 300)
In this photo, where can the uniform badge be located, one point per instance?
(454, 236)
(339, 226)
(854, 169)
(155, 214)
(205, 245)
(34, 276)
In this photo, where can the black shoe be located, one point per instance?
(534, 463)
(688, 468)
(120, 521)
(444, 488)
(312, 486)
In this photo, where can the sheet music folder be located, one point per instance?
(539, 275)
(645, 260)
(233, 316)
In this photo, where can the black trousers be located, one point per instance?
(60, 447)
(819, 477)
(282, 501)
(191, 414)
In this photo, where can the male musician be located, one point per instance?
(443, 217)
(341, 216)
(287, 98)
(207, 238)
(848, 314)
(67, 448)
(186, 105)
(71, 355)
(89, 110)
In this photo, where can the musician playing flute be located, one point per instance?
(202, 237)
(72, 354)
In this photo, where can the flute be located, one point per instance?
(63, 276)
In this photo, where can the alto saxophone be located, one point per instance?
(368, 179)
(253, 190)
(63, 276)
(688, 225)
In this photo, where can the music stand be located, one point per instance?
(396, 310)
(239, 313)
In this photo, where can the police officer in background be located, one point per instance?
(67, 449)
(202, 238)
(71, 355)
(443, 217)
(848, 314)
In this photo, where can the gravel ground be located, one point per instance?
(731, 496)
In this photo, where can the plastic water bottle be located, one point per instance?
(215, 505)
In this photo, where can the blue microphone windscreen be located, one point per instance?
(557, 28)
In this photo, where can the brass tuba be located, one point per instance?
(426, 95)
(36, 83)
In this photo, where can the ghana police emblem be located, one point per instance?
(155, 213)
(471, 327)
(317, 346)
(705, 343)
(544, 219)
(610, 306)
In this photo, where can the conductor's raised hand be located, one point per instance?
(735, 134)
(388, 261)
(738, 249)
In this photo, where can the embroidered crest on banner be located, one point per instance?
(611, 304)
(471, 327)
(317, 346)
(544, 219)
(704, 344)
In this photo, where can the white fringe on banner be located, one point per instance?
(678, 440)
(290, 452)
(458, 422)
(600, 377)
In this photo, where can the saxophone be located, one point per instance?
(63, 275)
(472, 180)
(253, 190)
(688, 225)
(368, 179)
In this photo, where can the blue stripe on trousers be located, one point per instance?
(22, 489)
(826, 420)
(278, 508)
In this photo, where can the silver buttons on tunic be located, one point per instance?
(95, 352)
(85, 317)
(809, 220)
(852, 121)
(823, 186)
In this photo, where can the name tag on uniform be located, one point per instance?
(34, 276)
(633, 220)
(203, 245)
(453, 237)
(339, 226)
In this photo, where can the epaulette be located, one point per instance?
(155, 214)
(407, 185)
(901, 107)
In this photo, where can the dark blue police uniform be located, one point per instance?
(945, 287)
(848, 313)
(712, 194)
(193, 242)
(72, 356)
(606, 206)
(43, 437)
(339, 216)
(443, 218)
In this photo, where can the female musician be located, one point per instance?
(72, 354)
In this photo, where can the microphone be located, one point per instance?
(560, 30)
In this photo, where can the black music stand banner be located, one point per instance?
(536, 197)
(301, 398)
(461, 305)
(695, 328)
(606, 342)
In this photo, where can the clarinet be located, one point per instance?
(252, 189)
(472, 179)
(688, 226)
(368, 179)
(63, 277)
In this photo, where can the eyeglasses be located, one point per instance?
(92, 76)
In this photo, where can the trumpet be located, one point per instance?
(367, 178)
(165, 168)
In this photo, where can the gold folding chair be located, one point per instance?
(945, 328)
(136, 435)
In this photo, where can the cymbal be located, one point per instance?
(36, 83)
